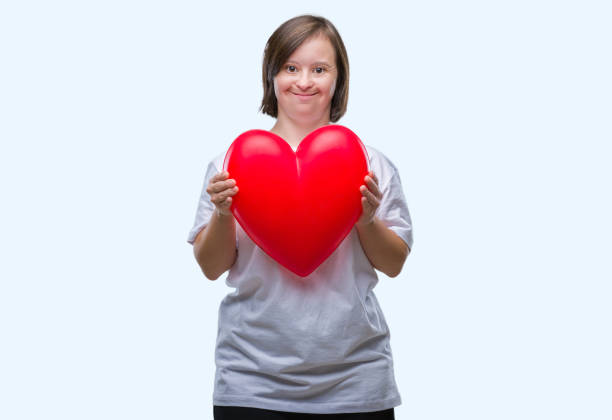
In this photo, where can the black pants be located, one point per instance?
(222, 412)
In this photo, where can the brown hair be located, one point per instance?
(286, 39)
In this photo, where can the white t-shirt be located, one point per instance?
(318, 344)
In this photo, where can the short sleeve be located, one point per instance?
(205, 206)
(393, 210)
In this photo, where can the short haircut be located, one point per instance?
(286, 39)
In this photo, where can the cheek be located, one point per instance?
(280, 86)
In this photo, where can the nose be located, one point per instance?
(304, 82)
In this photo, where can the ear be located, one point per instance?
(333, 87)
(275, 88)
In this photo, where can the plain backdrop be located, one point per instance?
(496, 113)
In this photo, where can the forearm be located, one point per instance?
(217, 251)
(385, 250)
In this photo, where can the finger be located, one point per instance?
(373, 186)
(372, 189)
(220, 197)
(368, 209)
(367, 206)
(371, 198)
(219, 186)
(224, 207)
(219, 176)
(216, 199)
(373, 175)
(227, 202)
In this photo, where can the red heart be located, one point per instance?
(298, 206)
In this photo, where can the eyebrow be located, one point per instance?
(316, 62)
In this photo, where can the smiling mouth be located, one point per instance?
(299, 94)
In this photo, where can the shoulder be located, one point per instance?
(217, 161)
(381, 165)
(215, 165)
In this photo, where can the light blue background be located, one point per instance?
(497, 114)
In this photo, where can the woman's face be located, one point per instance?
(306, 82)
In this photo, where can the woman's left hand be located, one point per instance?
(370, 200)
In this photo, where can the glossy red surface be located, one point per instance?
(298, 206)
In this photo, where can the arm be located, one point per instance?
(386, 251)
(215, 246)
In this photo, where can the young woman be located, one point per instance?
(289, 349)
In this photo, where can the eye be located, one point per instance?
(289, 67)
(323, 70)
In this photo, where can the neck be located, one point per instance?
(293, 132)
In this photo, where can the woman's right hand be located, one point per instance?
(221, 191)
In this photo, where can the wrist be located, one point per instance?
(222, 215)
(367, 224)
